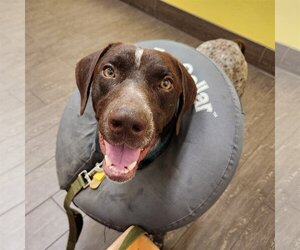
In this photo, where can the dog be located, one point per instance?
(136, 93)
(229, 56)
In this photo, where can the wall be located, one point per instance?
(253, 19)
(288, 22)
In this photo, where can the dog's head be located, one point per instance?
(135, 92)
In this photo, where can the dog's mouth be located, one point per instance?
(120, 161)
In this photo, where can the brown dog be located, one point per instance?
(136, 93)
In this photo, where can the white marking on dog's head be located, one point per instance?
(138, 56)
(159, 49)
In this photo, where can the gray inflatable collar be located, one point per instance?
(186, 179)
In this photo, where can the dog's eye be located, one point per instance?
(166, 84)
(108, 71)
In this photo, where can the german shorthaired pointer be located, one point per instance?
(136, 93)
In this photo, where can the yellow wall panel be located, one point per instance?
(288, 22)
(253, 19)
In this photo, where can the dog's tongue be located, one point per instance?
(121, 155)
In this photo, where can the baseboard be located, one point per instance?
(256, 54)
(288, 58)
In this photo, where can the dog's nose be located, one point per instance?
(125, 122)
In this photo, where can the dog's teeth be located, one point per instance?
(107, 160)
(132, 165)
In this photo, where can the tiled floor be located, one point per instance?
(12, 132)
(287, 160)
(58, 34)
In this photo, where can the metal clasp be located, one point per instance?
(86, 176)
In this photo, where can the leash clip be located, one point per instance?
(98, 166)
(86, 176)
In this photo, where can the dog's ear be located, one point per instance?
(188, 95)
(84, 74)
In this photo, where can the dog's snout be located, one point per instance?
(128, 123)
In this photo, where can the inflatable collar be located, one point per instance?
(185, 179)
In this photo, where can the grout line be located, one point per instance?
(21, 103)
(63, 234)
(13, 94)
(56, 240)
(35, 95)
(267, 205)
(11, 168)
(39, 165)
(42, 132)
(263, 71)
(61, 100)
(51, 197)
(293, 74)
(17, 134)
(281, 64)
(30, 211)
(14, 206)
